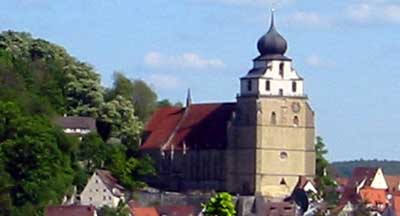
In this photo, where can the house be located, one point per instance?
(366, 185)
(256, 145)
(72, 210)
(101, 190)
(77, 125)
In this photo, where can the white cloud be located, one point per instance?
(310, 19)
(164, 81)
(374, 11)
(185, 61)
(316, 61)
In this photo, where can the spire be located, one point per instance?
(272, 18)
(188, 98)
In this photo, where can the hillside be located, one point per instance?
(344, 168)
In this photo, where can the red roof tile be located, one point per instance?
(396, 204)
(70, 211)
(393, 183)
(374, 196)
(176, 210)
(143, 211)
(199, 126)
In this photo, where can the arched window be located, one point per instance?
(281, 69)
(296, 121)
(280, 92)
(267, 85)
(294, 86)
(273, 118)
(249, 87)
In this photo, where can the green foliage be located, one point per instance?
(38, 171)
(92, 152)
(220, 205)
(144, 99)
(325, 183)
(120, 210)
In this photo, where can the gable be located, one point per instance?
(379, 182)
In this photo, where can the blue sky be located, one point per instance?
(346, 50)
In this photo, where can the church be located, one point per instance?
(262, 144)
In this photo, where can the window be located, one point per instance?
(281, 69)
(97, 190)
(97, 181)
(268, 85)
(249, 87)
(273, 118)
(90, 198)
(280, 92)
(109, 197)
(283, 155)
(104, 198)
(104, 190)
(296, 121)
(294, 86)
(283, 182)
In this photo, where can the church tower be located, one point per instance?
(272, 134)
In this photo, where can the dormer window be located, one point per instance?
(249, 87)
(294, 86)
(267, 85)
(281, 69)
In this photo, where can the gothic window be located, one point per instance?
(296, 121)
(273, 118)
(280, 92)
(267, 85)
(249, 87)
(281, 69)
(294, 86)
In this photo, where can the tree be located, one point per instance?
(325, 183)
(221, 204)
(39, 171)
(144, 100)
(92, 152)
(164, 103)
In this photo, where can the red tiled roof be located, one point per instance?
(396, 204)
(176, 210)
(358, 175)
(361, 173)
(198, 126)
(393, 183)
(143, 211)
(70, 211)
(110, 181)
(374, 196)
(342, 181)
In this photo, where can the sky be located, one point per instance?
(347, 51)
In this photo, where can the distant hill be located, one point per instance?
(344, 168)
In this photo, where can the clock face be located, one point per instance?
(296, 107)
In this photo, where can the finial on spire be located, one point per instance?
(188, 98)
(272, 18)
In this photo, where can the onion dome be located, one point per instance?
(272, 43)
